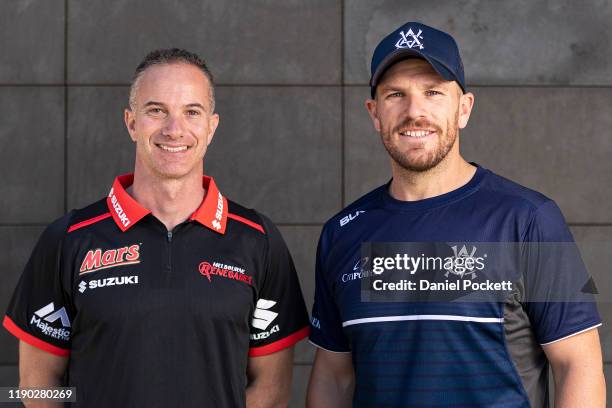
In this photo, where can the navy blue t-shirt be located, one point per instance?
(444, 354)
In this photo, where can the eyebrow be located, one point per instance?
(434, 83)
(189, 105)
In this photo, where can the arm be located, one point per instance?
(269, 379)
(40, 369)
(578, 371)
(332, 380)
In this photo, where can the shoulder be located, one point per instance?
(543, 219)
(513, 193)
(89, 215)
(248, 219)
(346, 219)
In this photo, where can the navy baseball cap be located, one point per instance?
(416, 40)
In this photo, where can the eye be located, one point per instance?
(193, 112)
(155, 111)
(395, 95)
(432, 92)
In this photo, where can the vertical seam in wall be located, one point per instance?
(342, 108)
(65, 106)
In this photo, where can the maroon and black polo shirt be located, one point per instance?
(159, 318)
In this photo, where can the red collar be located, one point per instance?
(126, 212)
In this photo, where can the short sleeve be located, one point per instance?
(280, 318)
(39, 312)
(560, 302)
(326, 324)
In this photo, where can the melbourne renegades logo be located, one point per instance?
(96, 259)
(225, 271)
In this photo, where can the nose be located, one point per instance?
(173, 127)
(414, 107)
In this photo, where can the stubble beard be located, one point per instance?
(427, 160)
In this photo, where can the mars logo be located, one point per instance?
(96, 259)
(225, 271)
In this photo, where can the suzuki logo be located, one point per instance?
(262, 317)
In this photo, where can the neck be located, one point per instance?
(171, 201)
(450, 174)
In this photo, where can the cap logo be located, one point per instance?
(410, 40)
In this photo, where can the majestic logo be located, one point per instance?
(225, 271)
(95, 259)
(118, 209)
(263, 318)
(410, 40)
(112, 281)
(219, 213)
(464, 263)
(345, 220)
(47, 314)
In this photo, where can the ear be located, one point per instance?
(130, 123)
(213, 122)
(370, 105)
(466, 103)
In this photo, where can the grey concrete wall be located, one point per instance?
(295, 140)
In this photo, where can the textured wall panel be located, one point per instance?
(264, 41)
(502, 42)
(32, 41)
(32, 154)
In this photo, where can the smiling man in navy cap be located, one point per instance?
(439, 354)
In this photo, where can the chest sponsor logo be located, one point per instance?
(96, 259)
(361, 269)
(222, 270)
(112, 281)
(346, 219)
(263, 317)
(46, 319)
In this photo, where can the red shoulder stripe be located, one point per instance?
(31, 340)
(279, 344)
(89, 222)
(247, 222)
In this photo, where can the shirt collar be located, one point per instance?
(126, 211)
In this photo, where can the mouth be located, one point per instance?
(172, 149)
(416, 133)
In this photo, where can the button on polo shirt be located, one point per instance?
(158, 318)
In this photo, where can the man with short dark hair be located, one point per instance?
(165, 293)
(413, 346)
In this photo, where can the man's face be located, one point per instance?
(171, 121)
(418, 114)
